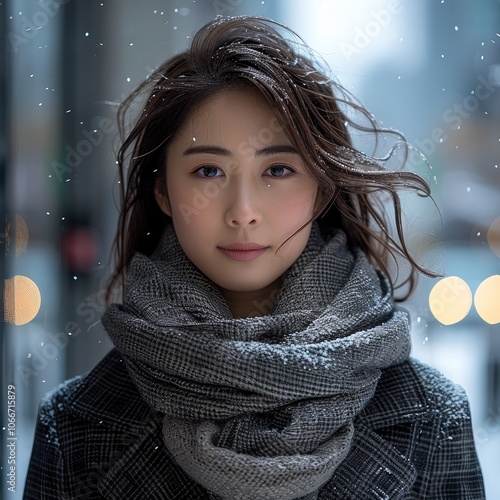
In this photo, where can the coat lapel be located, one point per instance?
(146, 470)
(373, 469)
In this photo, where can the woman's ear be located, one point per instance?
(163, 202)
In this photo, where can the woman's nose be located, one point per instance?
(244, 205)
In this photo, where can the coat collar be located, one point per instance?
(400, 398)
(391, 474)
(146, 470)
(108, 395)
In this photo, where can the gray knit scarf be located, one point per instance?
(261, 407)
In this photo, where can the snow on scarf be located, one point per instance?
(261, 407)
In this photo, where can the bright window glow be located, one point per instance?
(22, 300)
(487, 299)
(450, 300)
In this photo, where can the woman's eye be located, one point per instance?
(280, 170)
(209, 171)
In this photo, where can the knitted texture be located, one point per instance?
(260, 407)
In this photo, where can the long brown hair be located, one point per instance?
(313, 110)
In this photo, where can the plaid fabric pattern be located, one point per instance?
(259, 407)
(96, 438)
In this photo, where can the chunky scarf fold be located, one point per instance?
(260, 407)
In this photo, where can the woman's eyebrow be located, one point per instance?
(275, 150)
(217, 150)
(213, 150)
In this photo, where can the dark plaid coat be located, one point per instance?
(96, 438)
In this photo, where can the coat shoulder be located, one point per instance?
(84, 426)
(55, 403)
(106, 394)
(413, 391)
(446, 400)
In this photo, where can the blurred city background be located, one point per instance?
(429, 68)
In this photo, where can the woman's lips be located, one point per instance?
(243, 251)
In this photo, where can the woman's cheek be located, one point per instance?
(295, 209)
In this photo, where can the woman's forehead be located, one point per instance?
(233, 114)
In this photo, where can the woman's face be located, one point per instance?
(236, 190)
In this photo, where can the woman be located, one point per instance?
(259, 352)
